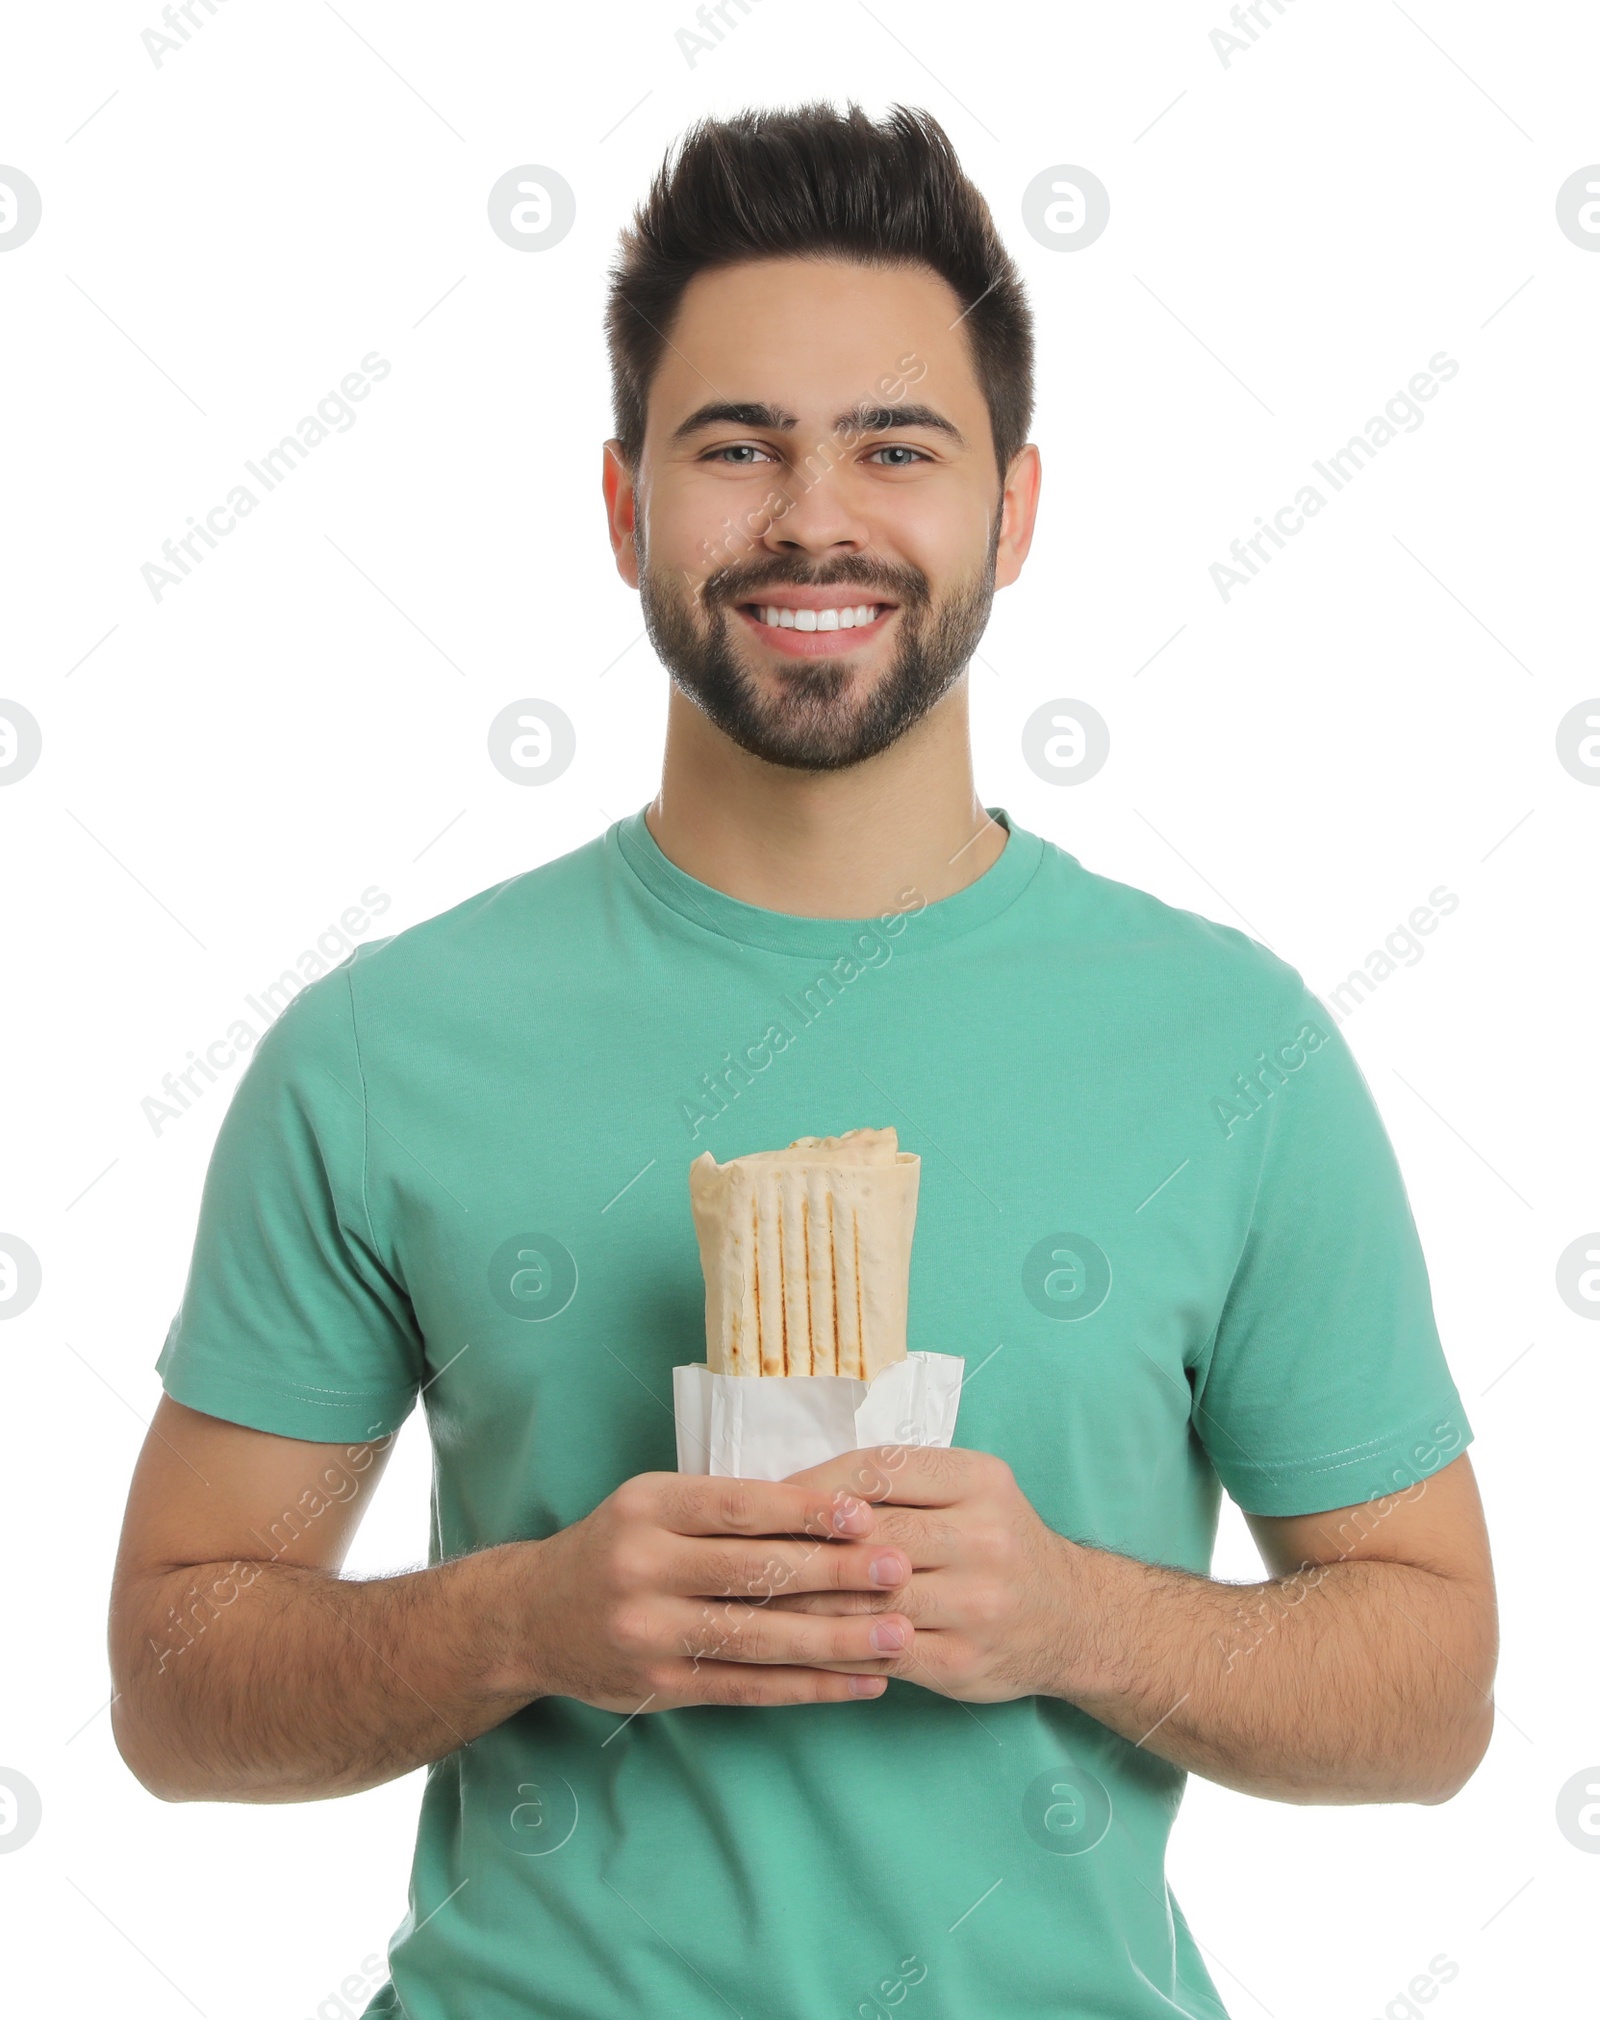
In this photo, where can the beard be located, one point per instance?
(811, 723)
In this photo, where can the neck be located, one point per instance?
(825, 845)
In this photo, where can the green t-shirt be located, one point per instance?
(1159, 1217)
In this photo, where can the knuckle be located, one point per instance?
(632, 1630)
(703, 1645)
(745, 1626)
(733, 1569)
(807, 1649)
(635, 1499)
(633, 1564)
(736, 1509)
(770, 1578)
(725, 1571)
(993, 1540)
(989, 1604)
(964, 1667)
(705, 1569)
(871, 1480)
(737, 1689)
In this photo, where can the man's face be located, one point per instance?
(815, 527)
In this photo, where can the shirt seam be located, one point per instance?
(361, 1075)
(200, 1355)
(1345, 1455)
(1203, 1360)
(718, 932)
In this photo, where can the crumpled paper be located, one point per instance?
(765, 1427)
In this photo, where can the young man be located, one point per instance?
(910, 1729)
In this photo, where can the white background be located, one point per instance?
(1292, 236)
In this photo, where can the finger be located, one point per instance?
(758, 1634)
(924, 1664)
(929, 1476)
(929, 1601)
(834, 1604)
(929, 1538)
(694, 1505)
(747, 1683)
(760, 1571)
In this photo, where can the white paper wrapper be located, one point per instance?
(765, 1427)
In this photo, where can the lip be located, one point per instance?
(814, 644)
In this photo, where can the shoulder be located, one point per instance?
(513, 936)
(1156, 949)
(495, 921)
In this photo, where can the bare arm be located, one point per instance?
(248, 1669)
(245, 1665)
(1359, 1672)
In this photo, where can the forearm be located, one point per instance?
(1345, 1683)
(262, 1682)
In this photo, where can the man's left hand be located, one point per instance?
(989, 1590)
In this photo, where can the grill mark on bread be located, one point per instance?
(833, 1269)
(755, 1258)
(805, 1238)
(751, 1265)
(783, 1287)
(861, 1332)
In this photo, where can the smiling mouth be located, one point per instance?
(815, 628)
(804, 617)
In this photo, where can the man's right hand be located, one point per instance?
(247, 1669)
(657, 1598)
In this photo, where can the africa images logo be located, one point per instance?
(1253, 1090)
(533, 1276)
(871, 947)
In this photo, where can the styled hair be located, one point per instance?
(819, 183)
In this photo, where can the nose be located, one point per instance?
(819, 515)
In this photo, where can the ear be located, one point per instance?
(1019, 505)
(617, 481)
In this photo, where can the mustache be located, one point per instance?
(741, 582)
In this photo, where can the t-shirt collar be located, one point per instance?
(713, 911)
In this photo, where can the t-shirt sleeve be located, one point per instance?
(1325, 1383)
(292, 1320)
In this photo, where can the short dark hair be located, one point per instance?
(815, 182)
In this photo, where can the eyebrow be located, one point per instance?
(859, 420)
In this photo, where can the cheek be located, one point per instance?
(700, 521)
(942, 529)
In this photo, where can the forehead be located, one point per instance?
(815, 336)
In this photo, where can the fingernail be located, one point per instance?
(888, 1569)
(888, 1638)
(850, 1514)
(866, 1686)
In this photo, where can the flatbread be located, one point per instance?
(806, 1254)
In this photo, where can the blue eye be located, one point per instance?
(737, 452)
(900, 449)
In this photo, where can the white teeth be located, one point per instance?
(843, 618)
